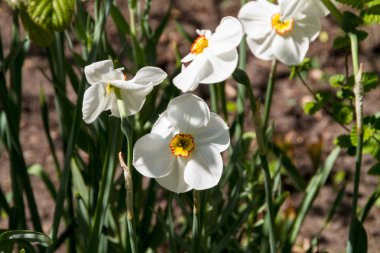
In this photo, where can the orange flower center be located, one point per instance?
(182, 145)
(199, 45)
(282, 27)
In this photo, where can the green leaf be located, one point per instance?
(337, 80)
(345, 115)
(358, 241)
(375, 170)
(241, 77)
(311, 108)
(26, 235)
(368, 132)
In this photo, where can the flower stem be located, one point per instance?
(334, 11)
(358, 91)
(196, 241)
(269, 93)
(264, 163)
(126, 127)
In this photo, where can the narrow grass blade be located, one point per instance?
(30, 236)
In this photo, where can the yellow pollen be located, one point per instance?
(182, 145)
(199, 45)
(110, 89)
(282, 27)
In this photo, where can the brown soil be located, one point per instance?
(289, 121)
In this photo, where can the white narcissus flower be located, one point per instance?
(183, 149)
(104, 81)
(281, 31)
(213, 57)
(315, 7)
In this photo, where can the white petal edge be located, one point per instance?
(204, 169)
(175, 180)
(256, 17)
(188, 112)
(149, 76)
(310, 26)
(133, 102)
(291, 50)
(222, 66)
(263, 48)
(188, 79)
(95, 101)
(96, 71)
(227, 36)
(164, 127)
(216, 134)
(152, 156)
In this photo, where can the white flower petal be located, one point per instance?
(315, 7)
(222, 66)
(256, 17)
(188, 58)
(175, 180)
(291, 8)
(291, 50)
(310, 25)
(190, 76)
(149, 76)
(152, 156)
(133, 102)
(95, 101)
(97, 71)
(204, 169)
(164, 127)
(216, 134)
(227, 36)
(188, 112)
(262, 48)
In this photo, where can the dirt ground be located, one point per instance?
(287, 115)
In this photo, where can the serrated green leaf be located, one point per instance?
(343, 141)
(337, 80)
(345, 115)
(368, 132)
(311, 108)
(369, 80)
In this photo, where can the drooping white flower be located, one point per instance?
(183, 149)
(104, 81)
(281, 31)
(213, 57)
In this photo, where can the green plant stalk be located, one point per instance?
(358, 91)
(128, 132)
(269, 93)
(241, 88)
(264, 163)
(334, 11)
(214, 97)
(196, 234)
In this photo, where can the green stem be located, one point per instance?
(269, 93)
(214, 97)
(128, 132)
(196, 241)
(334, 11)
(358, 91)
(264, 163)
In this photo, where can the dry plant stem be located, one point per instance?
(269, 93)
(126, 128)
(264, 163)
(358, 91)
(129, 199)
(196, 240)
